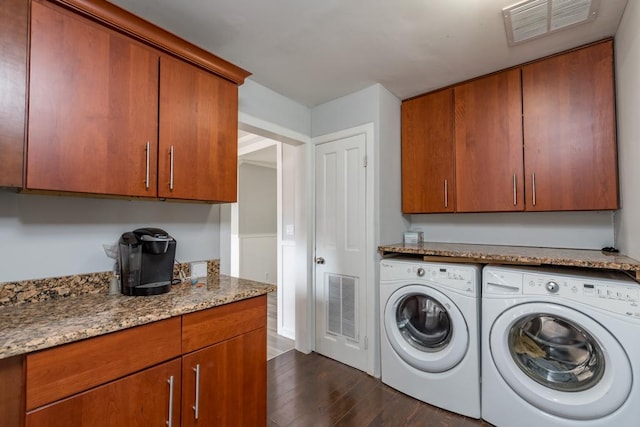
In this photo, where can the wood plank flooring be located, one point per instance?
(276, 344)
(313, 390)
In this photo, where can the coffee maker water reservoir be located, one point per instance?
(147, 256)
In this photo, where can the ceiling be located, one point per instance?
(256, 150)
(316, 51)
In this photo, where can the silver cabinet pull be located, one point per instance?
(319, 260)
(446, 194)
(533, 187)
(515, 195)
(170, 422)
(196, 407)
(146, 177)
(171, 169)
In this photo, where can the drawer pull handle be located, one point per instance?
(446, 194)
(170, 422)
(171, 169)
(146, 178)
(533, 187)
(196, 407)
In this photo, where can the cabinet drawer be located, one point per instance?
(211, 326)
(62, 371)
(138, 400)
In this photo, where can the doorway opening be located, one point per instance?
(261, 233)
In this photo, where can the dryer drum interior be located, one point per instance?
(556, 352)
(423, 322)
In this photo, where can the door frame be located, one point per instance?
(370, 249)
(228, 236)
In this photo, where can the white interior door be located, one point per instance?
(340, 255)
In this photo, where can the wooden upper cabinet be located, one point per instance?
(198, 145)
(569, 131)
(488, 144)
(93, 108)
(14, 23)
(428, 178)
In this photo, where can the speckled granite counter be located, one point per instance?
(35, 326)
(518, 254)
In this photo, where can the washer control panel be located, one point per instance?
(463, 278)
(618, 296)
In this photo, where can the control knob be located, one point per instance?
(552, 287)
(420, 272)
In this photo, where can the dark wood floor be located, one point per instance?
(276, 344)
(312, 390)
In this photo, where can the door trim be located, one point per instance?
(369, 274)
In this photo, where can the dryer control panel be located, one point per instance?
(618, 295)
(459, 277)
(615, 296)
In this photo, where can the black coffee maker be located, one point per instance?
(146, 261)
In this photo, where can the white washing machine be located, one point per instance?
(560, 348)
(429, 332)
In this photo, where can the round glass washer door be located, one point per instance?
(560, 360)
(425, 328)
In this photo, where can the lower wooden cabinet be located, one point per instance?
(218, 382)
(148, 398)
(207, 368)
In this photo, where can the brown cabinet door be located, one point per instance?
(569, 131)
(143, 399)
(14, 24)
(427, 153)
(92, 108)
(488, 144)
(198, 134)
(232, 383)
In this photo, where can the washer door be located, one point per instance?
(560, 360)
(425, 328)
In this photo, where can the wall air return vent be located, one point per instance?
(531, 19)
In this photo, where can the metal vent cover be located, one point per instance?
(531, 19)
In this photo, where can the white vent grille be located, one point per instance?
(341, 307)
(535, 18)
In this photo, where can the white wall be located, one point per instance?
(258, 257)
(257, 222)
(627, 53)
(257, 199)
(48, 236)
(584, 230)
(389, 159)
(291, 169)
(267, 110)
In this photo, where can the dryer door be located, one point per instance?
(425, 328)
(560, 360)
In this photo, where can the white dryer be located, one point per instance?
(560, 348)
(429, 332)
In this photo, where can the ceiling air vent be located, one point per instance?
(536, 18)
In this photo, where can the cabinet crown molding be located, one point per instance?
(148, 33)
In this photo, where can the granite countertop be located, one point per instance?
(518, 255)
(35, 326)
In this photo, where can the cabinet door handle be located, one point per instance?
(196, 407)
(533, 187)
(170, 422)
(146, 177)
(446, 194)
(171, 169)
(515, 194)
